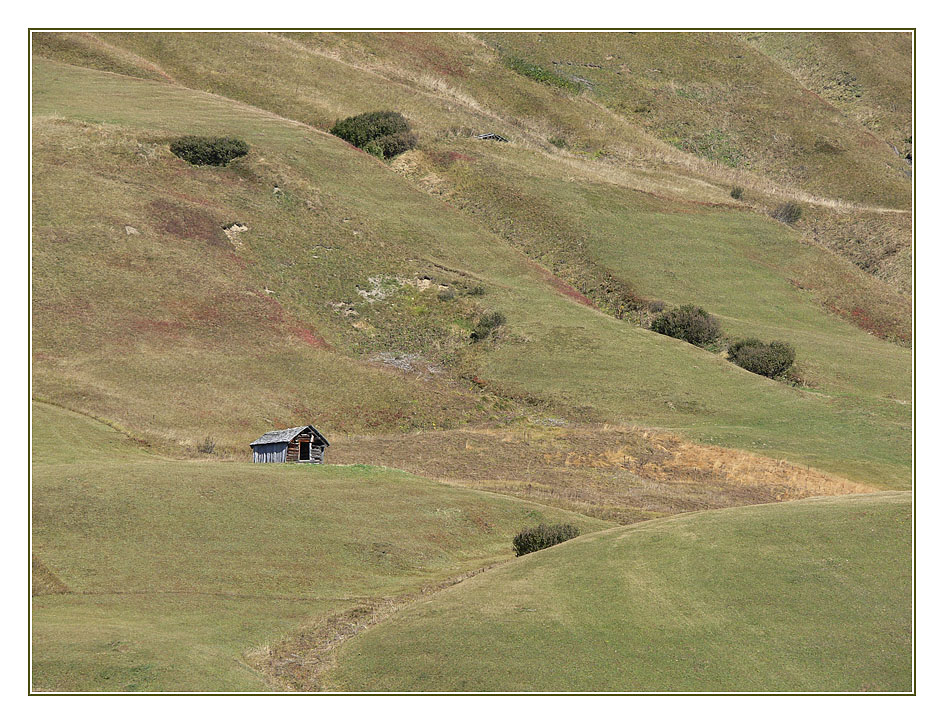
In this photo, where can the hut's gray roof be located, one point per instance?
(491, 137)
(288, 435)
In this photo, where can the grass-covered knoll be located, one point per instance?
(806, 596)
(160, 575)
(183, 329)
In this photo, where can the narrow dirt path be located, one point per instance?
(300, 661)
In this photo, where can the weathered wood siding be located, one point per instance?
(272, 453)
(288, 452)
(293, 453)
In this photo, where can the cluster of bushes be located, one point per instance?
(487, 325)
(384, 134)
(688, 322)
(543, 536)
(695, 326)
(788, 213)
(772, 359)
(209, 150)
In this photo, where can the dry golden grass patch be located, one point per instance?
(623, 474)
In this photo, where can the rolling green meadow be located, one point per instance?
(763, 598)
(166, 572)
(180, 311)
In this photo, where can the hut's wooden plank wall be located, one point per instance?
(271, 453)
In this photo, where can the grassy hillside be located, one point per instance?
(160, 575)
(180, 311)
(868, 76)
(178, 331)
(714, 95)
(808, 596)
(682, 115)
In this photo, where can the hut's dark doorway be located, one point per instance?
(304, 451)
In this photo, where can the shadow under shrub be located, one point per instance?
(209, 150)
(543, 536)
(688, 322)
(384, 134)
(770, 360)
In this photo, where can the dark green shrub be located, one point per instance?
(688, 322)
(543, 536)
(737, 192)
(477, 290)
(384, 134)
(446, 295)
(770, 360)
(788, 213)
(209, 150)
(487, 325)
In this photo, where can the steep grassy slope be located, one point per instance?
(178, 330)
(868, 76)
(718, 99)
(156, 574)
(715, 96)
(808, 596)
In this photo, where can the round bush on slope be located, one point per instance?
(543, 536)
(769, 360)
(381, 133)
(209, 150)
(688, 322)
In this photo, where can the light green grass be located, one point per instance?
(228, 370)
(175, 569)
(808, 596)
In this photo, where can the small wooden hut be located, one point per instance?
(491, 137)
(294, 445)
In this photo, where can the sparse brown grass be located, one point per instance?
(623, 474)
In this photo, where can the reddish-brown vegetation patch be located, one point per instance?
(309, 337)
(156, 327)
(188, 223)
(447, 158)
(562, 287)
(423, 51)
